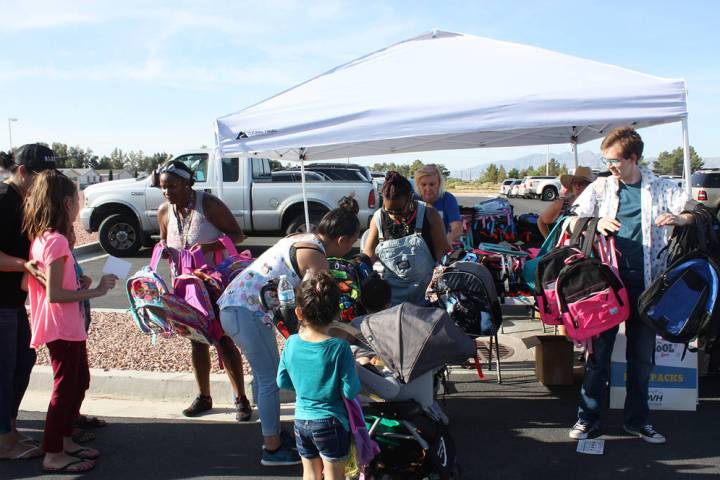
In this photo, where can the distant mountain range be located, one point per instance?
(586, 158)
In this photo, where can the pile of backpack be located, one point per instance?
(189, 309)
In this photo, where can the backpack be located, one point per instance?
(348, 278)
(682, 303)
(557, 236)
(190, 310)
(590, 295)
(225, 269)
(146, 292)
(547, 271)
(466, 290)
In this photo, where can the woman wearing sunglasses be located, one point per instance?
(188, 218)
(408, 238)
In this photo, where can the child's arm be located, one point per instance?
(349, 378)
(283, 376)
(57, 294)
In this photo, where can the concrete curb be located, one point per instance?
(156, 386)
(88, 248)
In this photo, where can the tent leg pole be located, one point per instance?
(686, 157)
(574, 151)
(305, 201)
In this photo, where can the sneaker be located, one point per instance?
(647, 433)
(582, 430)
(199, 405)
(243, 410)
(281, 456)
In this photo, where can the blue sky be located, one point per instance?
(154, 75)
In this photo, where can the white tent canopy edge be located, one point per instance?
(423, 94)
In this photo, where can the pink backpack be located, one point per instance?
(226, 268)
(190, 310)
(590, 295)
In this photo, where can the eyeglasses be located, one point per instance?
(611, 161)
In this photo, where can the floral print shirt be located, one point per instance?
(658, 195)
(244, 290)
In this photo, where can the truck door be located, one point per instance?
(234, 191)
(198, 162)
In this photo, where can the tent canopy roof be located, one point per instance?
(443, 91)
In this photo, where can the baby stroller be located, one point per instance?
(414, 344)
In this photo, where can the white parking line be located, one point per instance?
(92, 259)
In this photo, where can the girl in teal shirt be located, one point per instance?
(321, 370)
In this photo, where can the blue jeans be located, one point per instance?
(639, 354)
(256, 341)
(16, 362)
(325, 437)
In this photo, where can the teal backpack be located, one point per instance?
(146, 292)
(553, 238)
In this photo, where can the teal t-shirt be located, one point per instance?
(321, 373)
(629, 239)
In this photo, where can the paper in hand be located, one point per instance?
(119, 268)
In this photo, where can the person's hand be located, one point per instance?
(85, 282)
(667, 219)
(107, 282)
(33, 269)
(607, 226)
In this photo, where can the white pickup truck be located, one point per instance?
(543, 187)
(124, 212)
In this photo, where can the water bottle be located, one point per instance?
(286, 293)
(286, 296)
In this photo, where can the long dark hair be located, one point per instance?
(45, 205)
(7, 161)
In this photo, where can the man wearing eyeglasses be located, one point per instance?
(635, 205)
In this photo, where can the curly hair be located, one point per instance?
(45, 205)
(319, 300)
(396, 186)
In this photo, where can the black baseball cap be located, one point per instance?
(36, 157)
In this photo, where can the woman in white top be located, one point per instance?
(189, 218)
(246, 321)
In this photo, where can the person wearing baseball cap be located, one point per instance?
(16, 357)
(573, 186)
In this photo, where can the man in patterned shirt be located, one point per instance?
(635, 205)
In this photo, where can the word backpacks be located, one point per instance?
(591, 297)
(348, 278)
(547, 271)
(466, 290)
(190, 310)
(146, 292)
(682, 303)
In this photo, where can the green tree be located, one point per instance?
(491, 174)
(117, 159)
(514, 173)
(671, 163)
(110, 175)
(553, 167)
(502, 175)
(61, 154)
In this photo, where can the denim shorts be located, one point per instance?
(325, 437)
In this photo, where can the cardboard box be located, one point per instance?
(553, 359)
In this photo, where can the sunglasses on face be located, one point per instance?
(611, 161)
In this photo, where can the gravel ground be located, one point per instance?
(116, 343)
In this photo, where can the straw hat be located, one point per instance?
(581, 173)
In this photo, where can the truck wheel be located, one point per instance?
(549, 194)
(297, 224)
(120, 235)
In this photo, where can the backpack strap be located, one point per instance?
(589, 239)
(157, 254)
(377, 216)
(420, 217)
(580, 227)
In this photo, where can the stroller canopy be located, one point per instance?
(412, 340)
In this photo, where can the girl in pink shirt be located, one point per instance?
(56, 320)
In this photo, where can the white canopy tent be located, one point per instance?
(444, 91)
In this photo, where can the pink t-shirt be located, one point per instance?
(54, 321)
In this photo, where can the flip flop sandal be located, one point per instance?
(85, 453)
(80, 466)
(83, 436)
(84, 421)
(32, 452)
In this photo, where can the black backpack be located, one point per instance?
(682, 303)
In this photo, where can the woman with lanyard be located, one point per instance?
(430, 188)
(408, 238)
(190, 218)
(16, 357)
(244, 318)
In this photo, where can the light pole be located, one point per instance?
(10, 120)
